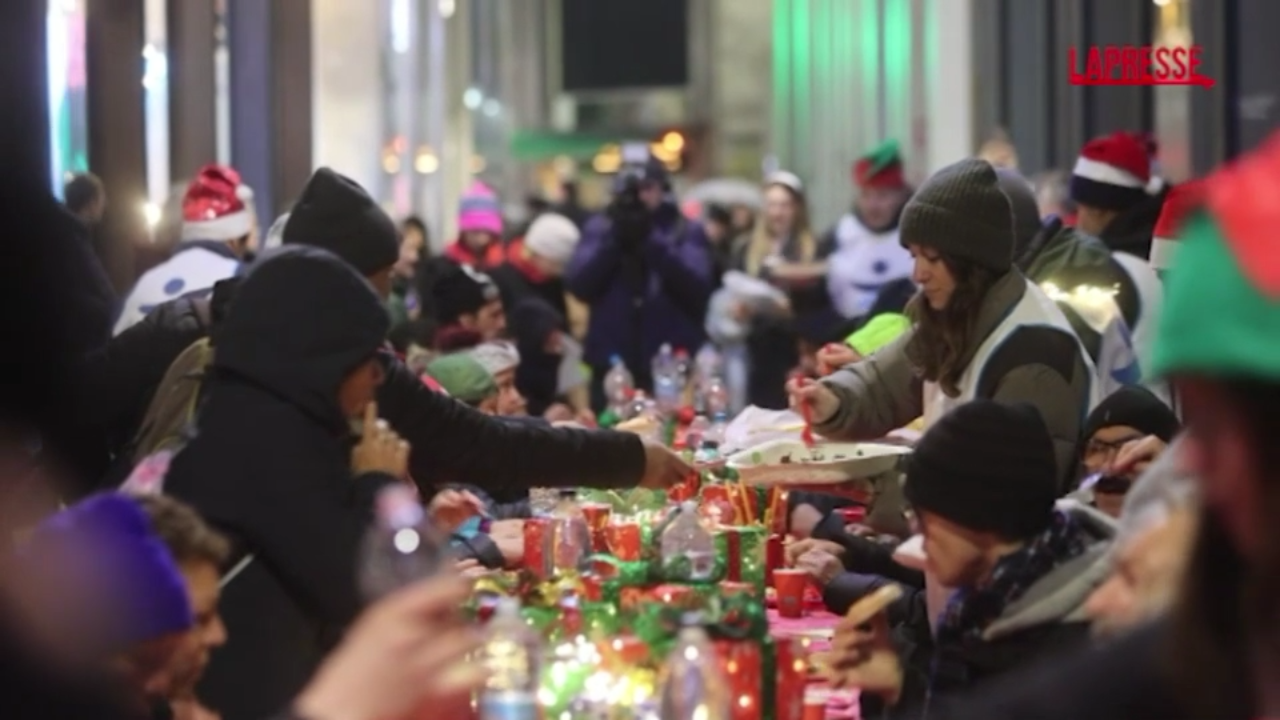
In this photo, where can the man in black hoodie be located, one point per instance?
(453, 443)
(299, 357)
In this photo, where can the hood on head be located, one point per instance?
(1059, 597)
(301, 321)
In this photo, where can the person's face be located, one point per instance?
(382, 281)
(359, 387)
(1217, 451)
(716, 231)
(1101, 449)
(743, 218)
(192, 658)
(1145, 577)
(955, 555)
(411, 242)
(490, 320)
(651, 195)
(510, 401)
(545, 266)
(1093, 220)
(780, 211)
(97, 208)
(478, 240)
(932, 275)
(878, 206)
(489, 405)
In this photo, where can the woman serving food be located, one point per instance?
(979, 328)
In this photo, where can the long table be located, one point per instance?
(814, 632)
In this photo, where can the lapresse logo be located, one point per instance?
(1125, 65)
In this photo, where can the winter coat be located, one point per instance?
(452, 441)
(1131, 231)
(1126, 679)
(863, 262)
(1036, 363)
(517, 279)
(538, 375)
(1048, 618)
(269, 466)
(644, 296)
(195, 266)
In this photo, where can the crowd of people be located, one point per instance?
(1081, 529)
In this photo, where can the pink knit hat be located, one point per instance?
(479, 210)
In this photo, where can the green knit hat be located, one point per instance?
(878, 332)
(1221, 313)
(463, 377)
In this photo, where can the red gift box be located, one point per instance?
(792, 676)
(742, 665)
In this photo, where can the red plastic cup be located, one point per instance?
(597, 516)
(815, 703)
(853, 515)
(774, 556)
(624, 540)
(790, 584)
(537, 536)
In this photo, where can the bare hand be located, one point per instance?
(822, 566)
(405, 653)
(380, 449)
(558, 412)
(451, 508)
(863, 656)
(834, 356)
(822, 401)
(663, 468)
(471, 568)
(508, 535)
(1136, 456)
(800, 547)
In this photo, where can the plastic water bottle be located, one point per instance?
(512, 654)
(402, 547)
(716, 432)
(685, 540)
(666, 381)
(692, 686)
(618, 384)
(570, 534)
(697, 430)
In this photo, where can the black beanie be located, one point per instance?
(988, 467)
(961, 211)
(1136, 407)
(336, 214)
(459, 290)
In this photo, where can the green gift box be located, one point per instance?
(742, 553)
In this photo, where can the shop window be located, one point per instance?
(69, 146)
(1173, 102)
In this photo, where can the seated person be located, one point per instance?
(1126, 415)
(983, 483)
(466, 381)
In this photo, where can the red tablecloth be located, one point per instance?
(814, 631)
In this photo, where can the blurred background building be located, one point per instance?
(416, 98)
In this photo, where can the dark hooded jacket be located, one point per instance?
(270, 466)
(538, 374)
(1131, 231)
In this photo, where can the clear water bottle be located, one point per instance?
(692, 686)
(512, 655)
(570, 535)
(696, 431)
(688, 549)
(402, 547)
(666, 381)
(715, 396)
(542, 501)
(618, 385)
(716, 432)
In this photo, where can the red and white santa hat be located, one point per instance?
(217, 206)
(1112, 172)
(1179, 203)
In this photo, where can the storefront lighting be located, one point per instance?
(151, 212)
(401, 21)
(492, 107)
(1161, 3)
(391, 164)
(447, 8)
(673, 142)
(426, 162)
(472, 98)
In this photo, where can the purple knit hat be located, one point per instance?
(479, 210)
(104, 572)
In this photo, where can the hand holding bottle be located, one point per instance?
(380, 449)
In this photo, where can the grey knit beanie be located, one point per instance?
(961, 211)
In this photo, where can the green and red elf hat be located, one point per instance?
(880, 168)
(1181, 201)
(1221, 312)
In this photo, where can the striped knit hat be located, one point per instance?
(1111, 173)
(479, 210)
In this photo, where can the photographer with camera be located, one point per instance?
(645, 271)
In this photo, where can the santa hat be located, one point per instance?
(1178, 205)
(479, 210)
(880, 168)
(1111, 173)
(553, 237)
(216, 206)
(1156, 184)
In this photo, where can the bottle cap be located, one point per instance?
(615, 359)
(710, 445)
(689, 506)
(567, 493)
(508, 607)
(398, 504)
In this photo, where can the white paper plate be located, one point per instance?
(790, 462)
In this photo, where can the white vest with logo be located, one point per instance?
(1035, 308)
(863, 263)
